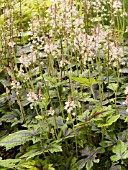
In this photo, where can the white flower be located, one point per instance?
(126, 90)
(40, 94)
(74, 114)
(11, 43)
(27, 60)
(126, 29)
(51, 112)
(124, 14)
(31, 106)
(67, 119)
(70, 105)
(63, 62)
(115, 64)
(117, 4)
(124, 103)
(32, 97)
(15, 85)
(50, 47)
(32, 57)
(24, 60)
(69, 109)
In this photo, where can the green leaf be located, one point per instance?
(109, 121)
(38, 117)
(80, 164)
(52, 80)
(85, 81)
(56, 121)
(3, 98)
(120, 150)
(9, 163)
(88, 161)
(113, 86)
(111, 140)
(17, 138)
(48, 3)
(32, 153)
(31, 165)
(54, 148)
(89, 165)
(103, 116)
(126, 120)
(12, 117)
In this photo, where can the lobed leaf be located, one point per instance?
(9, 163)
(17, 138)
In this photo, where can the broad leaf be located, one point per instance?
(32, 153)
(109, 121)
(17, 138)
(54, 147)
(113, 86)
(85, 81)
(120, 150)
(89, 160)
(29, 165)
(9, 163)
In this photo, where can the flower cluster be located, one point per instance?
(117, 5)
(115, 53)
(27, 60)
(34, 98)
(37, 38)
(99, 5)
(15, 85)
(66, 30)
(51, 48)
(70, 106)
(91, 45)
(62, 14)
(62, 32)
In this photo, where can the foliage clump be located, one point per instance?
(63, 84)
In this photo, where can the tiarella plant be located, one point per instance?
(63, 85)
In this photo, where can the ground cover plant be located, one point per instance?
(63, 85)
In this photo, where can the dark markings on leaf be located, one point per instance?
(94, 115)
(13, 141)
